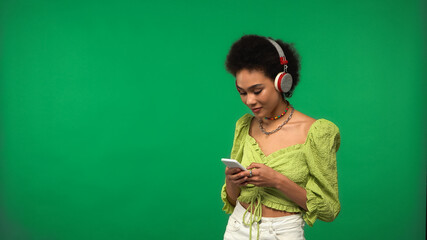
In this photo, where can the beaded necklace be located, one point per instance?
(281, 115)
(279, 127)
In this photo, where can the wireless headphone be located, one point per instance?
(283, 80)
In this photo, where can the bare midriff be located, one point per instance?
(269, 212)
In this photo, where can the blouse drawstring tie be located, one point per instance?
(256, 214)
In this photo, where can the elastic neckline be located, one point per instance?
(298, 145)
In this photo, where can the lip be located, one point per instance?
(255, 110)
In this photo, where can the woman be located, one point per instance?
(291, 176)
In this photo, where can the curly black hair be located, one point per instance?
(253, 52)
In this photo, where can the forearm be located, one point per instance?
(233, 193)
(292, 190)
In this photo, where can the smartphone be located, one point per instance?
(231, 163)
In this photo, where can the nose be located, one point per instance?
(250, 99)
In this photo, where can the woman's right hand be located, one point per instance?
(236, 177)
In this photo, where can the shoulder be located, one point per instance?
(324, 134)
(244, 120)
(325, 127)
(241, 124)
(318, 125)
(302, 122)
(319, 131)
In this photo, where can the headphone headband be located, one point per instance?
(282, 56)
(283, 80)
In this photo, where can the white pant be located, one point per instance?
(287, 227)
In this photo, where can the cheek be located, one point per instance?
(243, 98)
(265, 97)
(268, 98)
(273, 95)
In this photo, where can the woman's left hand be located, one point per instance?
(263, 176)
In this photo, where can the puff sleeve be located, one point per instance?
(236, 153)
(322, 185)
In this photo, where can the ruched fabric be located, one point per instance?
(312, 165)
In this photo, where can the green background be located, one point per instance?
(115, 114)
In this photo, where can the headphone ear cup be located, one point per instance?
(283, 82)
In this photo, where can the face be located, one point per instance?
(258, 93)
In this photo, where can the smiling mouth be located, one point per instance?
(256, 109)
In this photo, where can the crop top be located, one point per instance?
(311, 165)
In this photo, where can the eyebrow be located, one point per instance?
(251, 87)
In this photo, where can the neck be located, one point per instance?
(278, 110)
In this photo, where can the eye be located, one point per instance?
(242, 93)
(258, 91)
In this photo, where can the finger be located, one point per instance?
(253, 180)
(250, 173)
(255, 165)
(241, 181)
(254, 172)
(246, 173)
(238, 176)
(232, 171)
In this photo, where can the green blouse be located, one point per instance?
(312, 165)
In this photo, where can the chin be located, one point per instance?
(259, 115)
